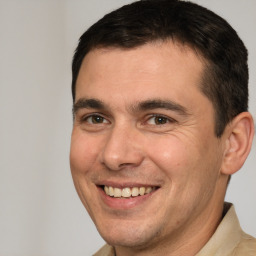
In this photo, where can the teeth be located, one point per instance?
(127, 192)
(117, 192)
(148, 190)
(142, 191)
(106, 189)
(135, 191)
(110, 191)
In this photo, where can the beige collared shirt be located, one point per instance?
(228, 240)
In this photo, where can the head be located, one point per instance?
(160, 122)
(225, 78)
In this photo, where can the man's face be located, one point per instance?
(143, 126)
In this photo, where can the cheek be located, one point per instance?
(82, 160)
(184, 162)
(83, 152)
(170, 154)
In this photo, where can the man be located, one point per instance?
(160, 91)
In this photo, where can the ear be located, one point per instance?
(239, 135)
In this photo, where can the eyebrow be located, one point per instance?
(150, 104)
(88, 103)
(161, 104)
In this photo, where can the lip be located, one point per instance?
(122, 185)
(125, 203)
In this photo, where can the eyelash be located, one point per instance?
(86, 118)
(165, 119)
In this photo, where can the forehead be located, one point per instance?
(160, 69)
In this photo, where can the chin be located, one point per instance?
(128, 235)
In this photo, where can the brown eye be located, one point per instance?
(158, 120)
(95, 119)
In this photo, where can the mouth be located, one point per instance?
(128, 192)
(126, 196)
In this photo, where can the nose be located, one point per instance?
(123, 148)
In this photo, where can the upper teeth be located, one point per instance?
(127, 192)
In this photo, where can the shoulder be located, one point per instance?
(246, 246)
(106, 250)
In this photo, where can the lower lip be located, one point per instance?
(124, 203)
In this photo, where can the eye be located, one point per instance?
(159, 120)
(95, 119)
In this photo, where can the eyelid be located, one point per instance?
(88, 115)
(85, 117)
(169, 119)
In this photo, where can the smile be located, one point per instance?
(127, 192)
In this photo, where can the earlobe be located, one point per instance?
(239, 138)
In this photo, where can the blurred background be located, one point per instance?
(40, 213)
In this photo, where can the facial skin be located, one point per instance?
(141, 120)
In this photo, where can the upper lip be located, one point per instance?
(126, 184)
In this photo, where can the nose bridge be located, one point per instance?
(122, 147)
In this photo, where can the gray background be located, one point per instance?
(40, 213)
